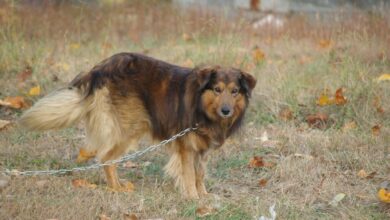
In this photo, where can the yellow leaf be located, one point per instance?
(384, 77)
(75, 46)
(258, 55)
(349, 126)
(384, 195)
(34, 91)
(324, 100)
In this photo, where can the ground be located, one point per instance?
(314, 144)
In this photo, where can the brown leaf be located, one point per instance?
(256, 161)
(187, 37)
(339, 98)
(4, 124)
(325, 43)
(16, 102)
(376, 130)
(83, 183)
(349, 126)
(130, 216)
(377, 104)
(263, 182)
(104, 217)
(205, 211)
(317, 120)
(286, 114)
(25, 74)
(130, 164)
(364, 175)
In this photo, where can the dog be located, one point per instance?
(129, 96)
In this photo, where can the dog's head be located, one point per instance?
(224, 92)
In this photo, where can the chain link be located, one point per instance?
(96, 166)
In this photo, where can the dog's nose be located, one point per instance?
(225, 111)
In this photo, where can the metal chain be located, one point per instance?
(95, 166)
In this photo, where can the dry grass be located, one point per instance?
(57, 42)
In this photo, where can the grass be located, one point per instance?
(58, 42)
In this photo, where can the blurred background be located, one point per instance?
(316, 136)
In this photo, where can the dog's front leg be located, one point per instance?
(181, 166)
(188, 174)
(200, 172)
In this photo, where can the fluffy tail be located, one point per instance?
(60, 109)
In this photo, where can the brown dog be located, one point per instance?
(128, 96)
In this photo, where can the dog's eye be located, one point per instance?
(217, 90)
(235, 91)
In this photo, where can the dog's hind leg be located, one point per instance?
(111, 170)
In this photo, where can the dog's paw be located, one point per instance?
(124, 187)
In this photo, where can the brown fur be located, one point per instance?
(130, 95)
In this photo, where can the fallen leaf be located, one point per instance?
(258, 161)
(384, 77)
(335, 201)
(187, 37)
(25, 74)
(349, 126)
(83, 183)
(41, 183)
(104, 217)
(324, 43)
(317, 120)
(324, 99)
(16, 102)
(131, 216)
(205, 211)
(34, 91)
(4, 124)
(258, 55)
(376, 130)
(264, 137)
(263, 182)
(377, 105)
(384, 195)
(362, 174)
(305, 59)
(286, 114)
(74, 46)
(384, 192)
(339, 98)
(130, 164)
(188, 63)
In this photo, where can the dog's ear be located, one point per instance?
(248, 82)
(204, 75)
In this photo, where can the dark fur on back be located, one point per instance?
(170, 93)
